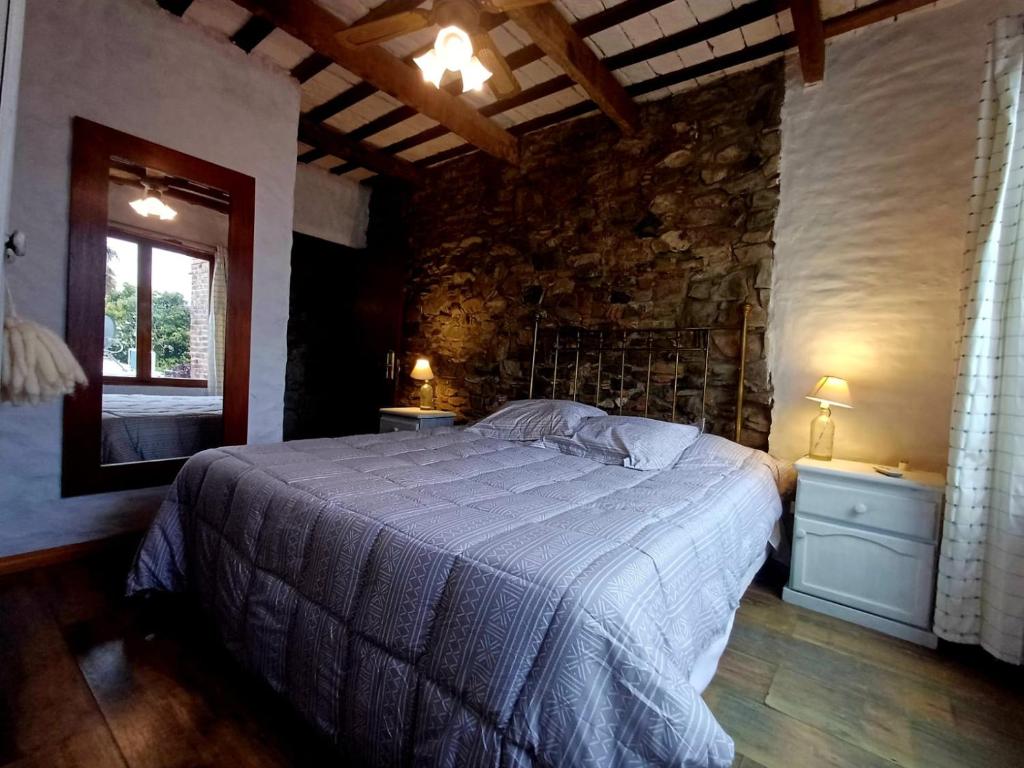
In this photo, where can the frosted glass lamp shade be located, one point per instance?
(421, 371)
(432, 67)
(453, 47)
(152, 205)
(831, 390)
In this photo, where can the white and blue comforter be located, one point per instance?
(444, 598)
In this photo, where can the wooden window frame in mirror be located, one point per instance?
(93, 146)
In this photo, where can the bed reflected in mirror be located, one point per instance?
(159, 295)
(165, 304)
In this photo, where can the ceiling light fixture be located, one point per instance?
(453, 50)
(152, 204)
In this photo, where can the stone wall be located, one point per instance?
(669, 228)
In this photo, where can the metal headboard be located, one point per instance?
(577, 343)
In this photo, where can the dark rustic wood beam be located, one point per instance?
(336, 143)
(591, 25)
(770, 47)
(177, 7)
(310, 67)
(553, 35)
(870, 14)
(448, 154)
(318, 28)
(312, 154)
(810, 39)
(252, 33)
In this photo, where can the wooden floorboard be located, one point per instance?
(90, 679)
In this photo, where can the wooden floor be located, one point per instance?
(87, 679)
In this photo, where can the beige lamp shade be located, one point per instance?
(831, 390)
(421, 371)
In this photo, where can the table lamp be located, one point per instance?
(421, 372)
(829, 391)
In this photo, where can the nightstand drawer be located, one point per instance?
(398, 424)
(903, 511)
(873, 572)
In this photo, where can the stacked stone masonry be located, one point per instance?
(669, 228)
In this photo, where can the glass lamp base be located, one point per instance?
(426, 397)
(823, 432)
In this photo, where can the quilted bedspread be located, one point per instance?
(444, 598)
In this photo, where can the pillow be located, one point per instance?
(535, 419)
(629, 441)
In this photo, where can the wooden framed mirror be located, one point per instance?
(159, 305)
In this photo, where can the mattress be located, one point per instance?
(444, 598)
(147, 427)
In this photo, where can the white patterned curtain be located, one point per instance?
(218, 320)
(981, 569)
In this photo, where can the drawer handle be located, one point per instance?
(799, 535)
(860, 508)
(394, 429)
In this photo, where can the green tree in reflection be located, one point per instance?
(171, 322)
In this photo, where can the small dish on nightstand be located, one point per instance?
(888, 471)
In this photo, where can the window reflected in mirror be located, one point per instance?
(164, 316)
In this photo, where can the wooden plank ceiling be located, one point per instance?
(367, 111)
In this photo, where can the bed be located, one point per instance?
(453, 598)
(139, 427)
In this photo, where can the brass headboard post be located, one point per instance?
(576, 367)
(743, 371)
(650, 363)
(675, 375)
(554, 376)
(622, 373)
(533, 359)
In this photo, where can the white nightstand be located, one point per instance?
(413, 419)
(865, 546)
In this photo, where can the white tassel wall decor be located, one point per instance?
(37, 364)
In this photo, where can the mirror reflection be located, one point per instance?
(165, 309)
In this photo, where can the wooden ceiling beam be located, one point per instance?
(553, 35)
(177, 7)
(352, 96)
(770, 47)
(318, 28)
(871, 14)
(252, 33)
(310, 67)
(810, 39)
(336, 143)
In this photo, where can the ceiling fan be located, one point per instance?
(462, 45)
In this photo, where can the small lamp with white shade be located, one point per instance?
(421, 372)
(829, 391)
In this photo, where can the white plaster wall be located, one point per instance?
(331, 208)
(875, 175)
(129, 65)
